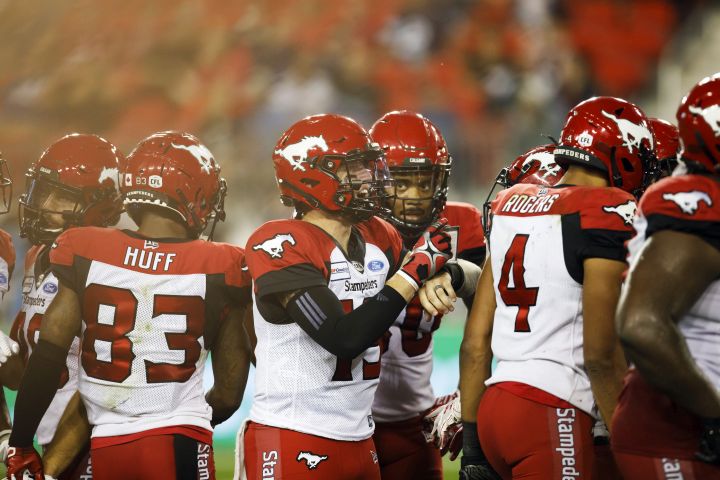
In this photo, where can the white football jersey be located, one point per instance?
(38, 291)
(405, 390)
(7, 261)
(298, 384)
(150, 310)
(690, 204)
(539, 239)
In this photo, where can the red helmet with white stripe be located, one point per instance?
(329, 162)
(667, 145)
(81, 169)
(173, 171)
(611, 135)
(699, 123)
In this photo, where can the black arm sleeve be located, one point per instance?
(37, 389)
(319, 313)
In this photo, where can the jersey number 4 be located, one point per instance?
(518, 295)
(110, 314)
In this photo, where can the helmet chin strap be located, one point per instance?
(615, 176)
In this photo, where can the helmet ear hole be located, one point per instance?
(627, 164)
(310, 182)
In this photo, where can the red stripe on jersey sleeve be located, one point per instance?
(282, 244)
(605, 209)
(469, 220)
(687, 197)
(62, 252)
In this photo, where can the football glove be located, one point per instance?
(709, 450)
(446, 425)
(429, 254)
(4, 438)
(470, 470)
(8, 348)
(21, 459)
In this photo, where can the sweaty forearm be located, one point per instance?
(664, 361)
(319, 313)
(37, 390)
(474, 370)
(71, 438)
(606, 377)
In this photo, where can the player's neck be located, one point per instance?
(586, 177)
(337, 227)
(158, 226)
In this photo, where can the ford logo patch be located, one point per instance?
(375, 265)
(50, 288)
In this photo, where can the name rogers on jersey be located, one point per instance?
(360, 286)
(521, 203)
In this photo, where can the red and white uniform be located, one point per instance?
(298, 384)
(647, 423)
(151, 310)
(405, 390)
(539, 240)
(7, 261)
(39, 289)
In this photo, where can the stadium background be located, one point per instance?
(494, 75)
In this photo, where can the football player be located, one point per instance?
(420, 164)
(148, 306)
(667, 423)
(8, 347)
(546, 300)
(73, 183)
(536, 166)
(328, 285)
(667, 145)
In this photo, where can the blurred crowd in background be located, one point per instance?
(492, 74)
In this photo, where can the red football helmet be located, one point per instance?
(329, 162)
(5, 187)
(175, 172)
(667, 145)
(82, 169)
(611, 135)
(536, 166)
(699, 123)
(412, 144)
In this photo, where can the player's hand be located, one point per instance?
(4, 438)
(477, 470)
(446, 432)
(21, 459)
(429, 254)
(8, 348)
(709, 450)
(437, 295)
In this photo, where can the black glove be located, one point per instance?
(481, 471)
(709, 450)
(473, 464)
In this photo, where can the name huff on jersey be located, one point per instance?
(147, 259)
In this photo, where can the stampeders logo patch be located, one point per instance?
(311, 459)
(274, 246)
